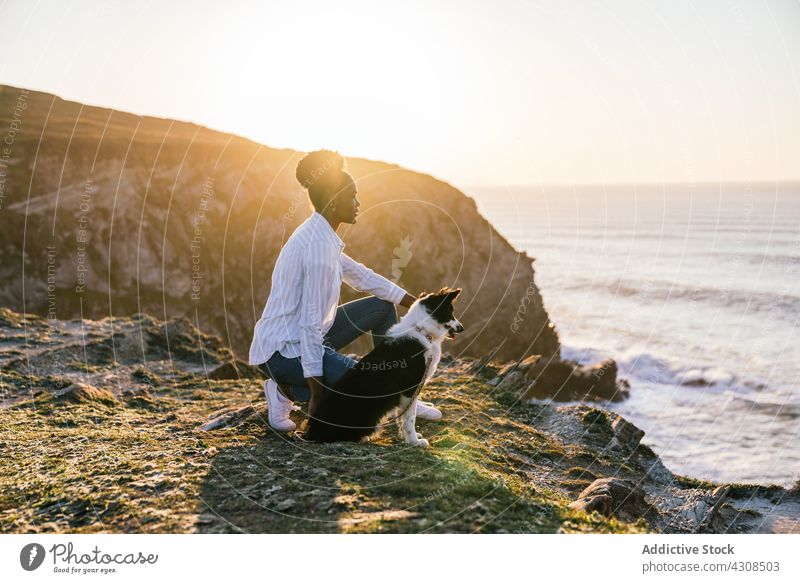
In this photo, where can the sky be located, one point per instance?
(504, 92)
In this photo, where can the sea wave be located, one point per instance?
(644, 367)
(772, 406)
(662, 291)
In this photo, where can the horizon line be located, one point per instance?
(641, 183)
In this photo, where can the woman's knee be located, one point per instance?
(380, 306)
(268, 371)
(335, 365)
(283, 370)
(385, 318)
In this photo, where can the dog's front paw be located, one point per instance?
(421, 443)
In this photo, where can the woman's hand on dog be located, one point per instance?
(407, 300)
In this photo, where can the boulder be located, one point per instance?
(601, 503)
(626, 433)
(614, 497)
(482, 366)
(83, 393)
(235, 370)
(601, 379)
(520, 365)
(564, 380)
(514, 381)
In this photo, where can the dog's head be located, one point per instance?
(439, 306)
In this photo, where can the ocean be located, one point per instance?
(695, 293)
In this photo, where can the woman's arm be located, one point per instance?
(407, 300)
(362, 278)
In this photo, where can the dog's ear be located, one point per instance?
(453, 294)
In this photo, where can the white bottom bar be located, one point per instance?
(418, 557)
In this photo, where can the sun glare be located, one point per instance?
(334, 79)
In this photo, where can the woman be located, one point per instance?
(296, 340)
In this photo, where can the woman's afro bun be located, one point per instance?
(320, 167)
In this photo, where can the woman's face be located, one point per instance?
(347, 204)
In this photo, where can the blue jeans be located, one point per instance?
(352, 319)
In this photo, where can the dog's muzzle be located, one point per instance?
(453, 330)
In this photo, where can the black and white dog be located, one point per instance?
(386, 382)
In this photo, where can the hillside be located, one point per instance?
(105, 213)
(102, 430)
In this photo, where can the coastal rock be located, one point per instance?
(656, 470)
(601, 503)
(521, 365)
(614, 497)
(601, 379)
(564, 380)
(614, 445)
(704, 511)
(626, 433)
(514, 381)
(482, 366)
(711, 518)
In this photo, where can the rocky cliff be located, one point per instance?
(104, 213)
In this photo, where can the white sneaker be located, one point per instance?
(426, 410)
(278, 408)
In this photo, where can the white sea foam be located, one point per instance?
(642, 367)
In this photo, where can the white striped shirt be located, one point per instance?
(302, 302)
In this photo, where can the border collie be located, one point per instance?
(386, 382)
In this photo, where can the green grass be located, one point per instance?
(687, 482)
